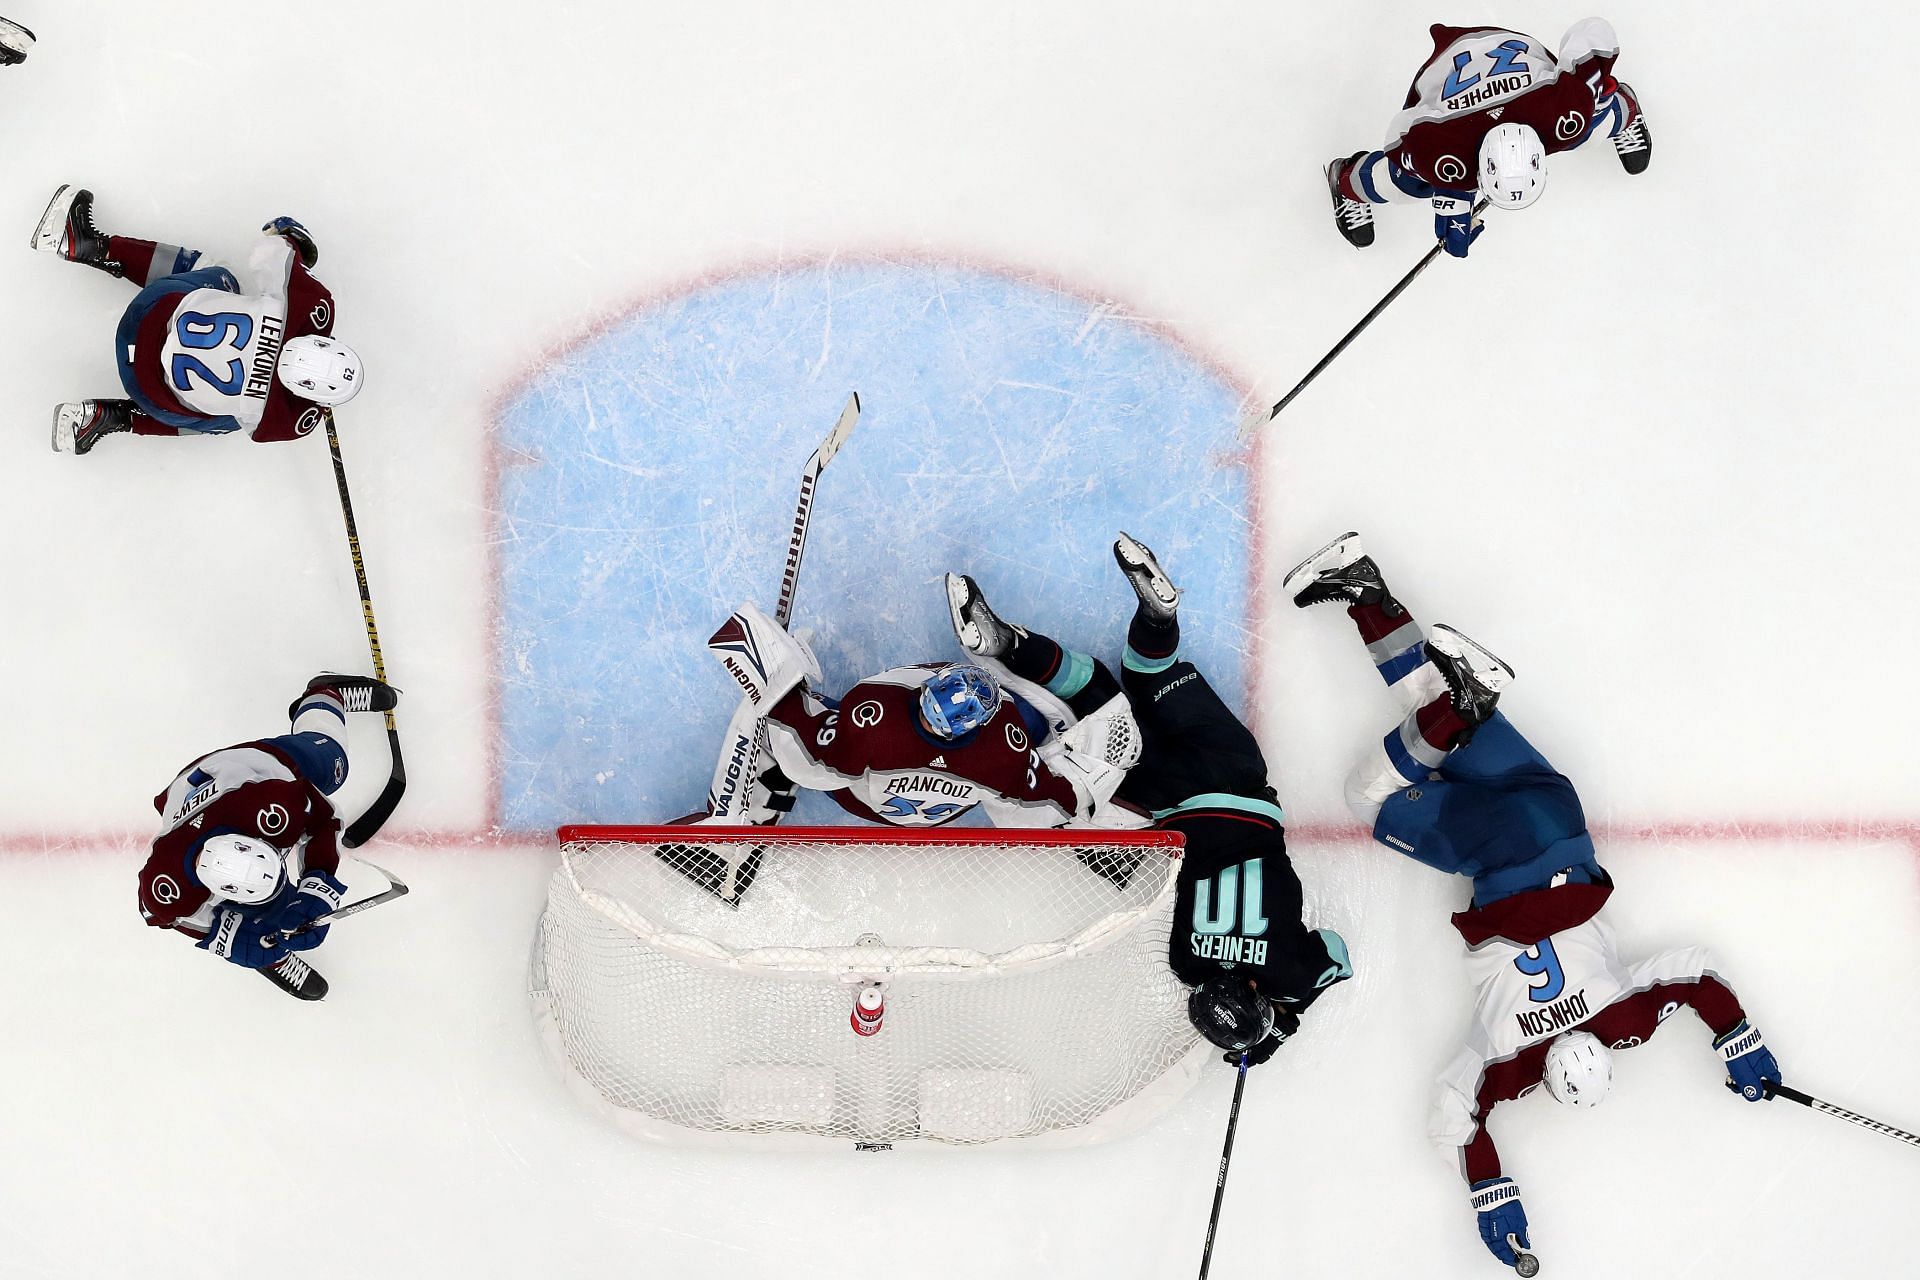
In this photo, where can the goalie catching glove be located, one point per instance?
(765, 661)
(1094, 754)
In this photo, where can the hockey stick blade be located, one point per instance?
(367, 824)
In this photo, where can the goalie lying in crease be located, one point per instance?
(1040, 735)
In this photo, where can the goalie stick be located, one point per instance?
(1259, 419)
(364, 827)
(721, 876)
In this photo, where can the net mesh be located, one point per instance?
(701, 981)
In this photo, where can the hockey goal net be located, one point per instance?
(700, 982)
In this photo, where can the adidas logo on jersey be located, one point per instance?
(938, 762)
(1496, 113)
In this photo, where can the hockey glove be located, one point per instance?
(238, 936)
(1454, 224)
(296, 235)
(1286, 1024)
(1750, 1064)
(1497, 1201)
(318, 894)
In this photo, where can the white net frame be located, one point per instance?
(695, 984)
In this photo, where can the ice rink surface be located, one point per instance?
(1649, 443)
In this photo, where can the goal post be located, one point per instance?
(698, 983)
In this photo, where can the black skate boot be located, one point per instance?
(15, 43)
(78, 427)
(1474, 676)
(297, 978)
(1340, 572)
(1354, 218)
(358, 693)
(978, 628)
(1634, 144)
(1158, 596)
(66, 228)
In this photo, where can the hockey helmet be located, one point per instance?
(319, 369)
(1513, 166)
(957, 699)
(1579, 1070)
(1231, 1012)
(240, 868)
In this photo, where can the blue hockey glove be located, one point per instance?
(1497, 1201)
(237, 935)
(1750, 1063)
(318, 894)
(296, 235)
(1454, 224)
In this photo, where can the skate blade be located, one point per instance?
(1307, 571)
(1482, 662)
(53, 223)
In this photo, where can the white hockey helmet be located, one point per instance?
(240, 868)
(1513, 166)
(321, 370)
(1579, 1070)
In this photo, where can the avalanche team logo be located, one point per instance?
(1450, 169)
(307, 421)
(165, 890)
(868, 714)
(271, 820)
(321, 315)
(1016, 737)
(1570, 126)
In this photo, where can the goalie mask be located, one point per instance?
(321, 370)
(1513, 166)
(1228, 1011)
(957, 699)
(1579, 1070)
(240, 868)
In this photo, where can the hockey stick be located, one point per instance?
(364, 827)
(396, 888)
(1777, 1090)
(803, 513)
(1226, 1157)
(1257, 420)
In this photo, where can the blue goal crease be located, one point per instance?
(1009, 430)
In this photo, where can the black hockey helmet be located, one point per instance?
(1228, 1011)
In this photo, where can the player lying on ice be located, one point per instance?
(201, 350)
(248, 845)
(1484, 113)
(919, 746)
(1454, 785)
(1239, 939)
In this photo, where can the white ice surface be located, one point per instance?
(1651, 443)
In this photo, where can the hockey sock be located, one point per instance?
(320, 711)
(1045, 662)
(1420, 743)
(1394, 640)
(1153, 644)
(147, 260)
(145, 426)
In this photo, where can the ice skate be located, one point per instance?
(297, 978)
(78, 426)
(1634, 144)
(15, 43)
(1353, 218)
(66, 228)
(357, 693)
(1339, 572)
(1158, 596)
(978, 628)
(1474, 676)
